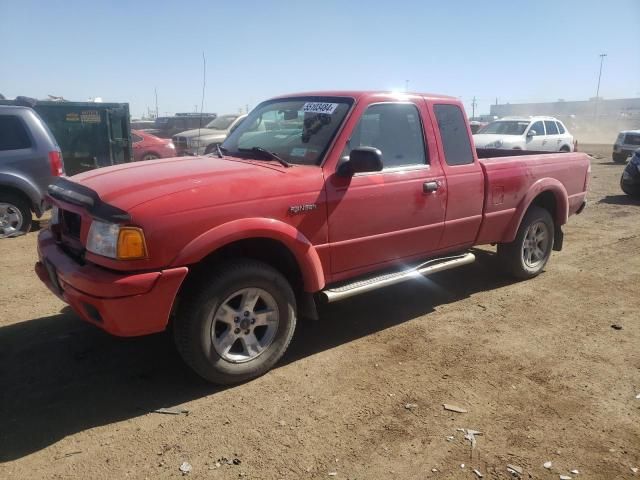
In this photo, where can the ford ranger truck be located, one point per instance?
(314, 197)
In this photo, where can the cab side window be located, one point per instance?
(394, 129)
(560, 128)
(538, 127)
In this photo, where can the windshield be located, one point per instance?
(504, 127)
(222, 123)
(299, 130)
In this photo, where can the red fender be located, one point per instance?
(542, 185)
(301, 248)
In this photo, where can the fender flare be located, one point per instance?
(303, 251)
(543, 185)
(25, 186)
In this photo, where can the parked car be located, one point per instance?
(626, 143)
(543, 134)
(167, 127)
(150, 147)
(90, 134)
(476, 125)
(315, 196)
(204, 140)
(630, 180)
(30, 159)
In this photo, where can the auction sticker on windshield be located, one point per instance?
(319, 107)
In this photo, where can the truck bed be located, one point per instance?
(513, 181)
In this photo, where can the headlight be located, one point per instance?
(115, 241)
(55, 215)
(171, 145)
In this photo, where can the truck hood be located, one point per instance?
(203, 132)
(129, 185)
(482, 139)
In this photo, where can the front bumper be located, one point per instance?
(122, 304)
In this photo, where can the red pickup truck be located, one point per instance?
(315, 196)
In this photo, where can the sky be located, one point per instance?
(512, 51)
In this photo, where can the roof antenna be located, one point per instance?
(204, 83)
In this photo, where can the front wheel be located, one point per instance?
(238, 325)
(528, 254)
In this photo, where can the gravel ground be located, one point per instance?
(537, 365)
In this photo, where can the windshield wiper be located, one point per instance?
(268, 154)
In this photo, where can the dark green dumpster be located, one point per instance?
(90, 135)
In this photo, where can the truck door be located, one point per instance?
(119, 135)
(465, 180)
(396, 214)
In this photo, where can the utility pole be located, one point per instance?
(473, 108)
(155, 90)
(602, 55)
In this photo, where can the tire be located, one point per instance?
(15, 215)
(520, 260)
(619, 157)
(211, 330)
(629, 190)
(565, 149)
(210, 148)
(150, 156)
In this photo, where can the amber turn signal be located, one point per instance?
(131, 244)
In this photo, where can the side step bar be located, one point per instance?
(432, 266)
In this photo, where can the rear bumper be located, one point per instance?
(121, 304)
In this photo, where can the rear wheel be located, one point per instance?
(15, 215)
(238, 325)
(528, 254)
(619, 157)
(565, 149)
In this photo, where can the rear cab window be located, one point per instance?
(13, 133)
(454, 134)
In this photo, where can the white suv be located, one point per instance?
(525, 133)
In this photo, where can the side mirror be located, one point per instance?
(361, 159)
(531, 133)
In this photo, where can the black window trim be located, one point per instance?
(399, 168)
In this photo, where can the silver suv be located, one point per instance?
(29, 161)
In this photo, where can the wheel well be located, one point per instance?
(19, 193)
(565, 148)
(547, 200)
(272, 252)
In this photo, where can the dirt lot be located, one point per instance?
(538, 366)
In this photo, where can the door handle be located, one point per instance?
(430, 187)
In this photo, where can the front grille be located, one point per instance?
(71, 223)
(632, 139)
